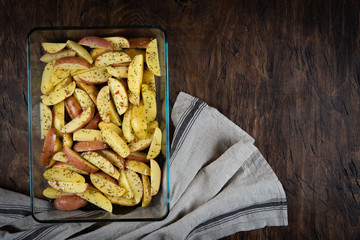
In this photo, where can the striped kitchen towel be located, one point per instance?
(220, 184)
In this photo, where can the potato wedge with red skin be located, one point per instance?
(72, 107)
(84, 146)
(102, 163)
(78, 161)
(71, 63)
(113, 157)
(94, 122)
(95, 42)
(138, 156)
(139, 42)
(48, 57)
(79, 122)
(50, 47)
(68, 166)
(96, 75)
(91, 90)
(83, 99)
(69, 202)
(118, 42)
(48, 147)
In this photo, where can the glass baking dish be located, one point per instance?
(44, 210)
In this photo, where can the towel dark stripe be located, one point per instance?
(15, 211)
(33, 233)
(185, 127)
(279, 204)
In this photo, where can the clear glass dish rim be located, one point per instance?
(167, 113)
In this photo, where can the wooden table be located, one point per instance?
(287, 72)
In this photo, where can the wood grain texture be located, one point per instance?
(287, 72)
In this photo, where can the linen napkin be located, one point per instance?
(220, 184)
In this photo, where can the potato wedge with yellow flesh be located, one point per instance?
(69, 167)
(135, 74)
(103, 103)
(51, 163)
(46, 118)
(111, 57)
(163, 142)
(118, 72)
(83, 99)
(114, 116)
(106, 186)
(69, 187)
(147, 191)
(126, 126)
(118, 42)
(60, 157)
(155, 146)
(113, 157)
(102, 163)
(117, 143)
(53, 47)
(46, 83)
(151, 128)
(58, 113)
(96, 52)
(91, 90)
(119, 95)
(48, 57)
(79, 121)
(88, 135)
(152, 57)
(149, 100)
(78, 161)
(63, 175)
(58, 75)
(112, 127)
(155, 176)
(132, 52)
(51, 193)
(135, 184)
(57, 145)
(134, 98)
(95, 197)
(123, 201)
(138, 167)
(124, 183)
(67, 140)
(64, 82)
(57, 96)
(139, 144)
(82, 52)
(71, 64)
(97, 75)
(149, 79)
(138, 121)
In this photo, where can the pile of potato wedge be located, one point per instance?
(98, 120)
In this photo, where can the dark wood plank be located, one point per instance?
(287, 72)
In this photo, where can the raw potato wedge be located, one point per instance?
(119, 95)
(71, 63)
(95, 197)
(126, 126)
(135, 74)
(138, 121)
(83, 99)
(147, 191)
(97, 52)
(117, 143)
(69, 202)
(63, 175)
(138, 156)
(139, 144)
(69, 187)
(46, 119)
(51, 193)
(46, 83)
(139, 42)
(135, 184)
(132, 52)
(152, 57)
(72, 107)
(79, 50)
(88, 135)
(48, 147)
(60, 157)
(124, 183)
(64, 82)
(96, 75)
(103, 103)
(149, 100)
(118, 42)
(94, 122)
(155, 176)
(79, 121)
(53, 47)
(85, 146)
(48, 57)
(149, 79)
(106, 186)
(91, 90)
(138, 167)
(67, 140)
(95, 42)
(69, 167)
(110, 58)
(113, 157)
(111, 127)
(123, 201)
(102, 163)
(118, 72)
(57, 96)
(114, 116)
(155, 146)
(78, 161)
(58, 112)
